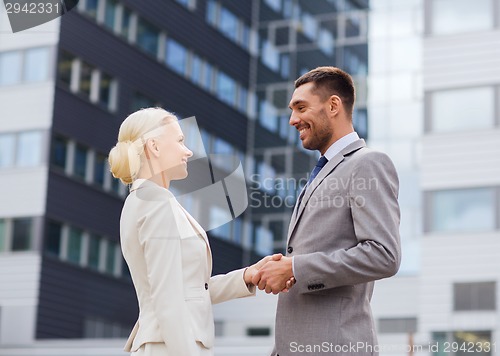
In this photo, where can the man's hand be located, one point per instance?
(275, 276)
(251, 271)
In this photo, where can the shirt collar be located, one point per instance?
(340, 144)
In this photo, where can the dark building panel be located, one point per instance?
(69, 295)
(83, 206)
(130, 65)
(194, 32)
(85, 122)
(226, 256)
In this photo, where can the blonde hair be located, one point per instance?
(126, 157)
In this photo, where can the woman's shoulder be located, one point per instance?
(150, 191)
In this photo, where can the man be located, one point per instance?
(344, 231)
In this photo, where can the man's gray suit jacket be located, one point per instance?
(343, 236)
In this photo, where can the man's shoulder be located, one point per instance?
(371, 159)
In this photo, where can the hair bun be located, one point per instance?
(124, 161)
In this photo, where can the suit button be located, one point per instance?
(206, 286)
(290, 249)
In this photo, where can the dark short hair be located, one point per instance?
(330, 81)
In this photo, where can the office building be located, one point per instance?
(66, 86)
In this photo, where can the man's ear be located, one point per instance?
(335, 104)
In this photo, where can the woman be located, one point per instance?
(167, 251)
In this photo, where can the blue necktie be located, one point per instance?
(321, 163)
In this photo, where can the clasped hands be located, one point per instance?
(273, 274)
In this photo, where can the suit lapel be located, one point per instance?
(327, 169)
(199, 230)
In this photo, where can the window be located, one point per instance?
(126, 20)
(7, 145)
(74, 245)
(270, 56)
(462, 343)
(226, 88)
(140, 101)
(82, 77)
(285, 65)
(30, 65)
(457, 16)
(353, 22)
(36, 64)
(474, 296)
(190, 4)
(361, 122)
(110, 14)
(259, 331)
(274, 4)
(310, 25)
(463, 210)
(237, 230)
(263, 240)
(268, 116)
(3, 236)
(10, 68)
(53, 241)
(91, 7)
(397, 325)
(64, 68)
(94, 327)
(85, 78)
(326, 42)
(147, 37)
(29, 149)
(228, 24)
(111, 257)
(242, 99)
(80, 163)
(219, 327)
(115, 185)
(105, 90)
(176, 56)
(212, 10)
(463, 109)
(100, 162)
(219, 218)
(94, 251)
(196, 69)
(59, 149)
(22, 234)
(208, 75)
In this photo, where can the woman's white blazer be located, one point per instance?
(170, 262)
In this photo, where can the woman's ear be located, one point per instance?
(152, 148)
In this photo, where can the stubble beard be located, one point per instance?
(322, 137)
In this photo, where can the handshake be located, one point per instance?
(273, 274)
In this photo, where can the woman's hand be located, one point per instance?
(251, 271)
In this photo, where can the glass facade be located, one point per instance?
(458, 16)
(463, 210)
(22, 234)
(176, 56)
(463, 109)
